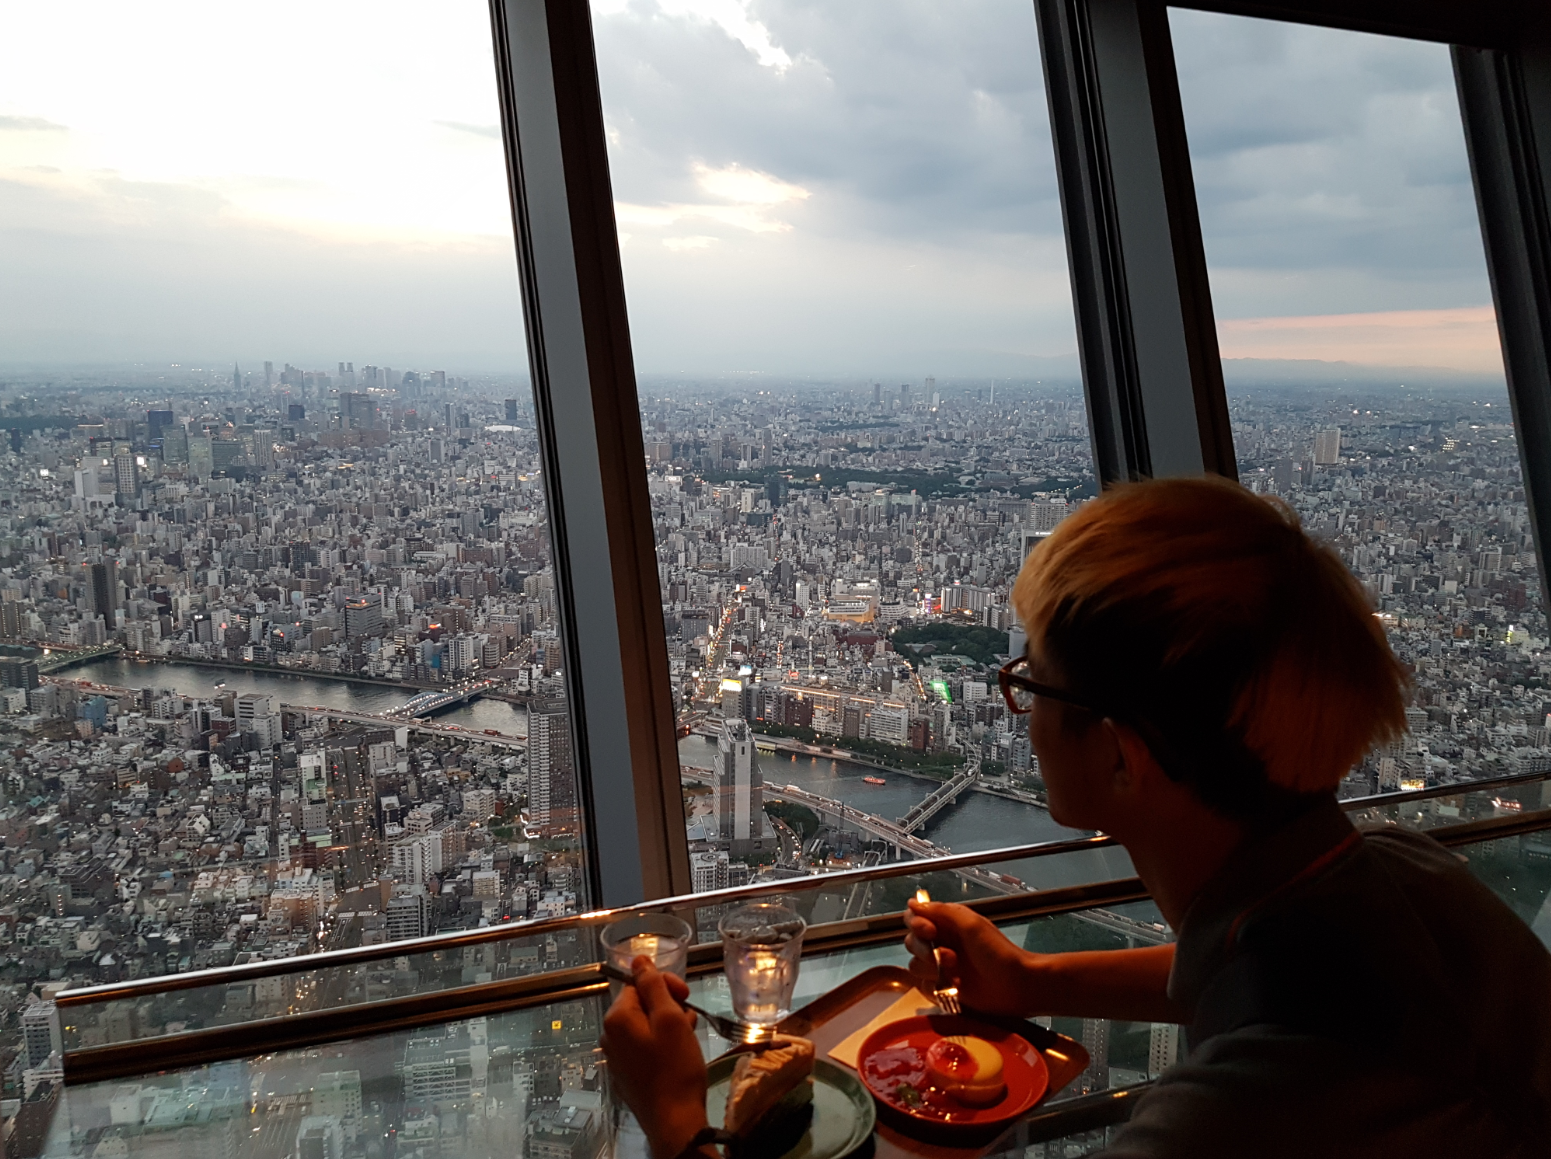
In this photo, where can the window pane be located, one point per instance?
(852, 326)
(276, 475)
(1364, 373)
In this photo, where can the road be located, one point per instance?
(791, 843)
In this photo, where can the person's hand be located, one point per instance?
(993, 975)
(654, 1058)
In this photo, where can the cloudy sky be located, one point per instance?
(802, 187)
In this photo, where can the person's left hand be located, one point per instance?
(654, 1058)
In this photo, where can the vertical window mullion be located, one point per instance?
(1146, 334)
(607, 594)
(1505, 100)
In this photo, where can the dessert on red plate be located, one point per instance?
(968, 1068)
(952, 1070)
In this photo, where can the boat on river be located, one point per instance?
(874, 780)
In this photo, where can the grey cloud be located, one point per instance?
(912, 119)
(1330, 169)
(931, 242)
(31, 125)
(144, 270)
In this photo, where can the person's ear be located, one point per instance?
(1134, 765)
(1115, 759)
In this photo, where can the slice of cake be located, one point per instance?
(770, 1101)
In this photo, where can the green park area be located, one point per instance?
(973, 642)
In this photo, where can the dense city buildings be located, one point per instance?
(835, 562)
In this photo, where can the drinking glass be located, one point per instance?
(761, 946)
(663, 938)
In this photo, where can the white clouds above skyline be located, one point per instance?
(864, 188)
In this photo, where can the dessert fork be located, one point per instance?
(742, 1033)
(946, 995)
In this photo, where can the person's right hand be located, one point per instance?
(993, 975)
(654, 1059)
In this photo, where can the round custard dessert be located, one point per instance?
(968, 1068)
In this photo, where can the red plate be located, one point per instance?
(894, 1057)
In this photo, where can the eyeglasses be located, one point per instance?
(1019, 690)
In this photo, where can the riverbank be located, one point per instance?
(821, 752)
(1010, 794)
(276, 670)
(828, 752)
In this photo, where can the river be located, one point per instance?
(977, 821)
(201, 679)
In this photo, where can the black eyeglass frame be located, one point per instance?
(1009, 678)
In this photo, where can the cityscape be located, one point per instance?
(281, 671)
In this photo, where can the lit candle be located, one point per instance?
(644, 945)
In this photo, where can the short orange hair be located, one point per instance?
(1243, 651)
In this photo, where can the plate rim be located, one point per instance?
(835, 1075)
(949, 1125)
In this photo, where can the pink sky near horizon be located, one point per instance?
(1463, 338)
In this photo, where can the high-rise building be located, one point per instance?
(201, 456)
(40, 1032)
(1327, 448)
(319, 1137)
(511, 410)
(1283, 476)
(363, 615)
(357, 411)
(737, 699)
(551, 769)
(269, 373)
(86, 479)
(739, 788)
(16, 672)
(409, 916)
(263, 447)
(1162, 1047)
(174, 445)
(104, 592)
(224, 453)
(157, 421)
(126, 476)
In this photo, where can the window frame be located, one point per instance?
(1147, 341)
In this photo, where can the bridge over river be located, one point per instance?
(902, 841)
(907, 843)
(390, 720)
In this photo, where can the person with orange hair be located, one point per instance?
(1199, 678)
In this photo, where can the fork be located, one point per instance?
(945, 996)
(742, 1033)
